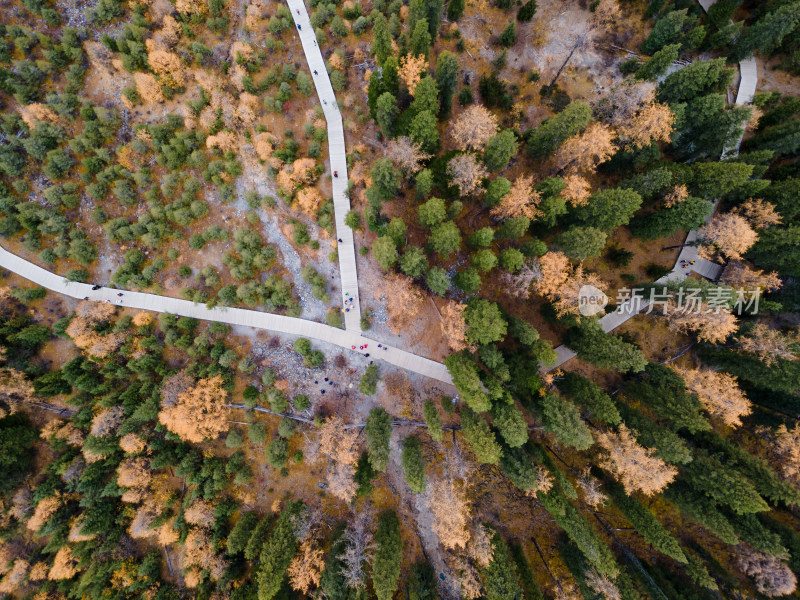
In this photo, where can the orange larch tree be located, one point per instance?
(760, 214)
(199, 412)
(634, 466)
(729, 234)
(583, 152)
(473, 128)
(520, 201)
(719, 394)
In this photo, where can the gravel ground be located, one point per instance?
(276, 352)
(255, 178)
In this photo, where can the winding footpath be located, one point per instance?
(349, 338)
(232, 316)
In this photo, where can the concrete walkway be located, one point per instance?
(231, 316)
(710, 270)
(338, 160)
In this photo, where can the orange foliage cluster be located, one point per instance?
(300, 173)
(454, 328)
(199, 551)
(560, 282)
(729, 234)
(15, 577)
(785, 450)
(166, 65)
(521, 201)
(451, 512)
(198, 412)
(708, 324)
(768, 344)
(653, 122)
(224, 140)
(305, 570)
(132, 443)
(337, 443)
(15, 391)
(411, 69)
(403, 300)
(82, 329)
(636, 467)
(31, 114)
(134, 473)
(719, 394)
(583, 152)
(738, 275)
(201, 513)
(577, 190)
(65, 565)
(46, 508)
(676, 195)
(148, 88)
(760, 214)
(473, 128)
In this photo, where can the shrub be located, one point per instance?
(369, 381)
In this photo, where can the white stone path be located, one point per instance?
(231, 316)
(338, 160)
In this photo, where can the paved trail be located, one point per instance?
(232, 316)
(338, 159)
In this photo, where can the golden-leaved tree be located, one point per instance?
(634, 466)
(760, 214)
(708, 324)
(454, 328)
(337, 443)
(719, 394)
(198, 412)
(473, 128)
(584, 151)
(769, 345)
(729, 234)
(560, 282)
(411, 69)
(520, 201)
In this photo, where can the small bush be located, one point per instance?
(334, 317)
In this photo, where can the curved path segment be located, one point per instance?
(338, 160)
(231, 316)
